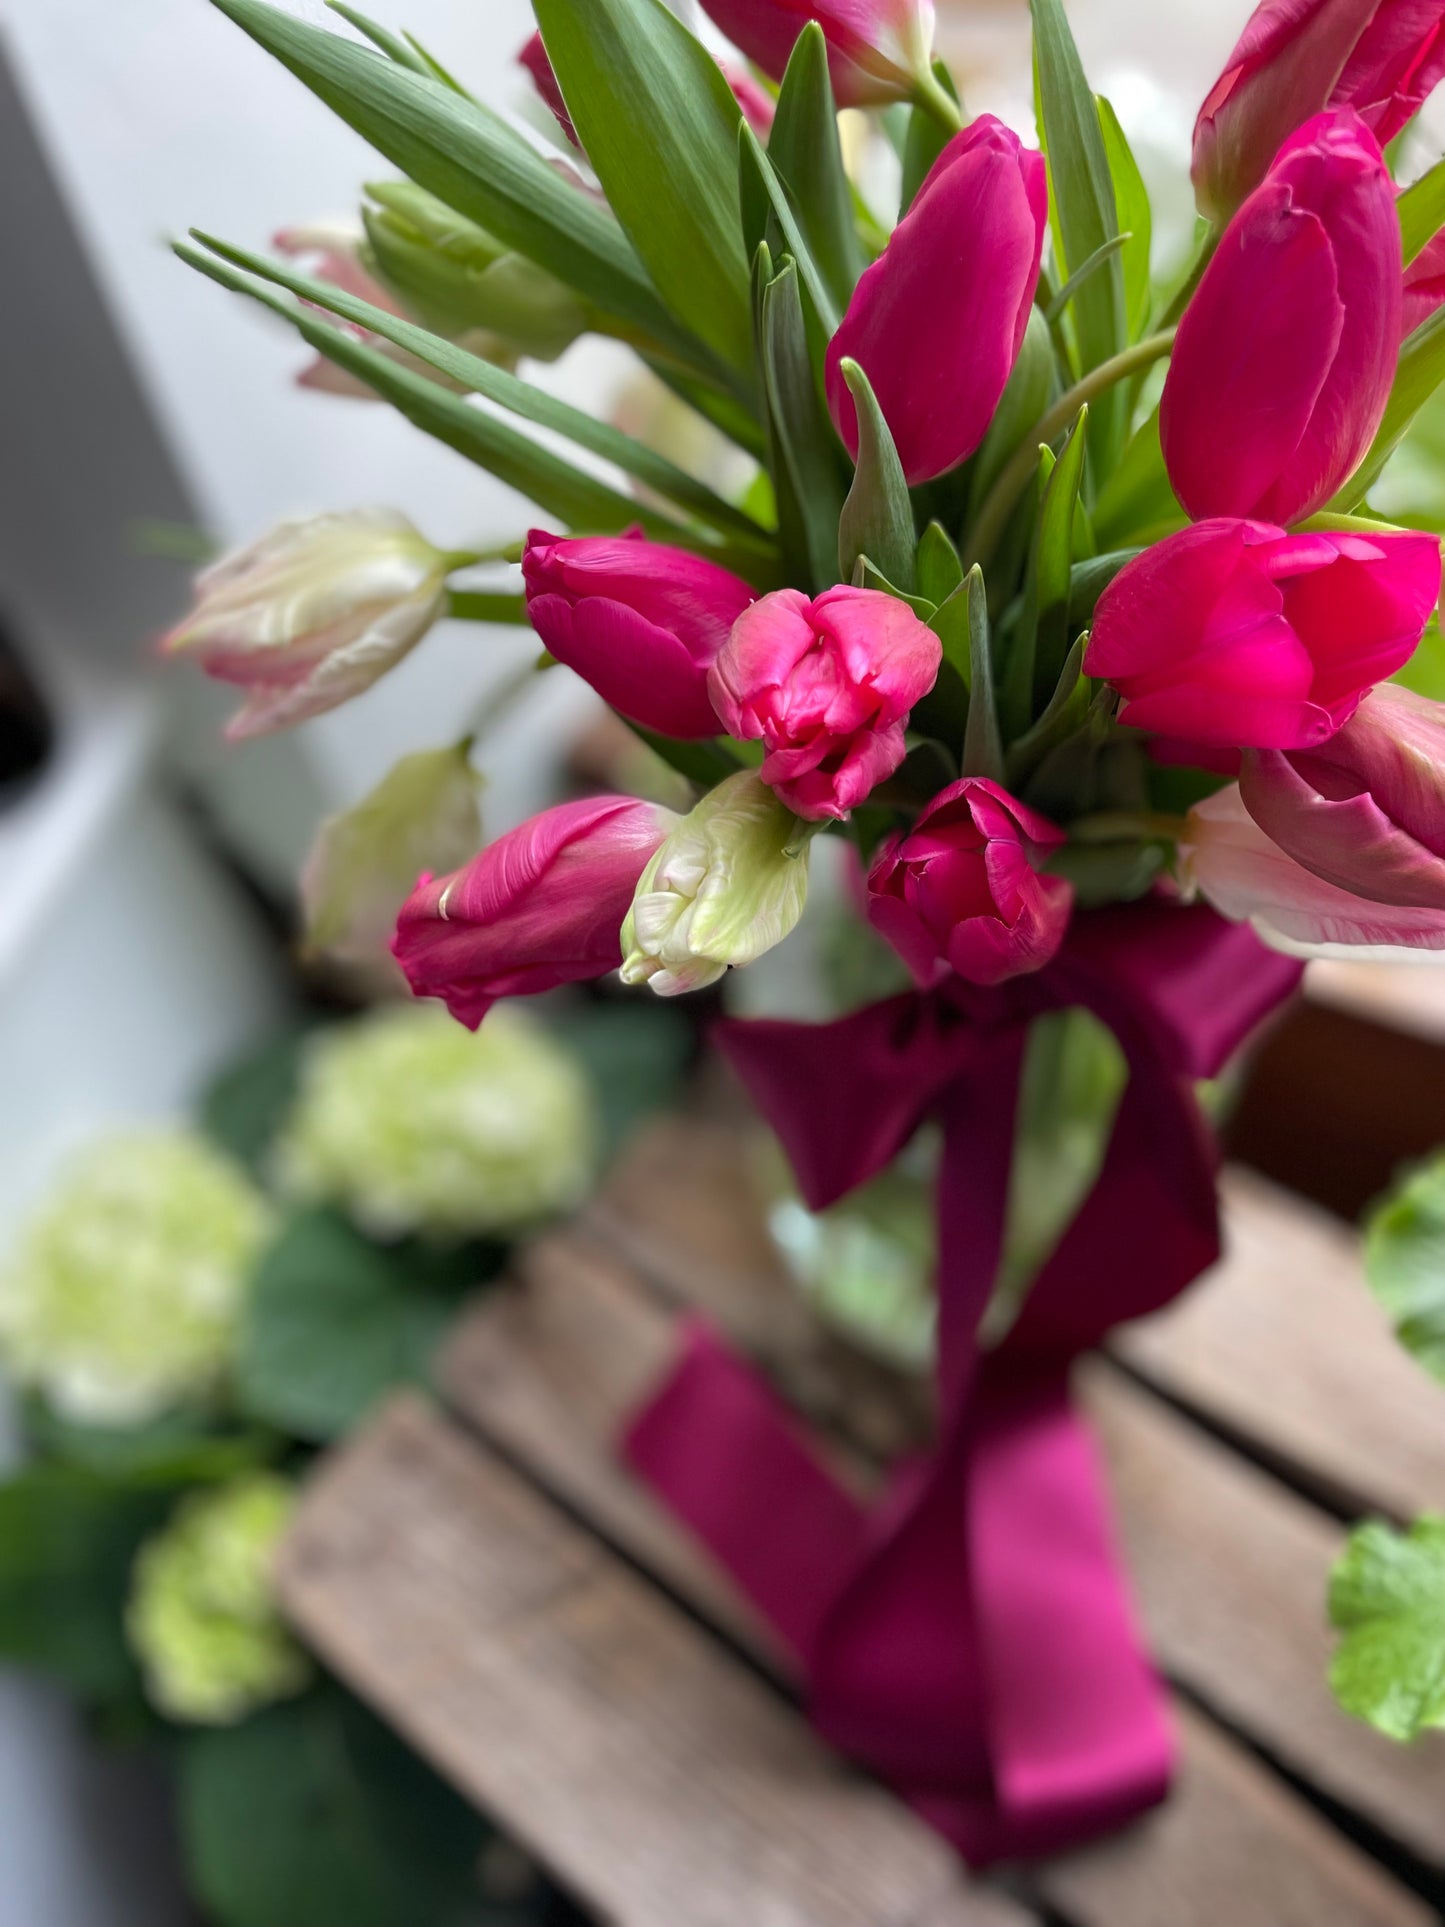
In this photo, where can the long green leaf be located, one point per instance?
(877, 517)
(1135, 219)
(1084, 202)
(660, 126)
(577, 499)
(1050, 574)
(804, 148)
(1419, 372)
(1422, 211)
(1027, 395)
(755, 163)
(506, 390)
(982, 743)
(805, 473)
(471, 159)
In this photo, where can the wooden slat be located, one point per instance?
(1408, 997)
(1230, 1823)
(1284, 1345)
(656, 1774)
(1230, 1569)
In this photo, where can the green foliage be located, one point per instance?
(314, 1815)
(982, 744)
(636, 1057)
(336, 1322)
(1421, 208)
(803, 460)
(1419, 372)
(806, 153)
(244, 1106)
(1135, 218)
(1387, 1597)
(877, 517)
(1405, 1263)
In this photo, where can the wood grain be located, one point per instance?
(661, 1779)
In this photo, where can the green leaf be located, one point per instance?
(1023, 401)
(1041, 645)
(1067, 710)
(1088, 580)
(1137, 502)
(391, 44)
(470, 158)
(877, 517)
(866, 576)
(1135, 219)
(182, 1448)
(636, 1062)
(982, 743)
(1418, 373)
(67, 1541)
(335, 1322)
(805, 151)
(1387, 1596)
(519, 397)
(1422, 211)
(760, 178)
(660, 125)
(925, 141)
(1084, 204)
(577, 499)
(1405, 1263)
(937, 568)
(803, 459)
(705, 763)
(244, 1107)
(313, 1814)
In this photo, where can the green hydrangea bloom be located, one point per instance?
(203, 1620)
(124, 1296)
(411, 1123)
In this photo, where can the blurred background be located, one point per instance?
(146, 869)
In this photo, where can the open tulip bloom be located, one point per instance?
(1057, 658)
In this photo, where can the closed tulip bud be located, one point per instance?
(333, 251)
(877, 49)
(962, 890)
(1294, 59)
(313, 613)
(1365, 810)
(1228, 859)
(827, 687)
(1285, 356)
(937, 321)
(541, 906)
(1237, 635)
(639, 621)
(729, 882)
(462, 282)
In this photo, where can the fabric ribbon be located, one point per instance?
(969, 1636)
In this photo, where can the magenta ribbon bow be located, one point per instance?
(969, 1636)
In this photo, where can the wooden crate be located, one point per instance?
(485, 1573)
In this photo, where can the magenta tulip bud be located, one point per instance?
(641, 622)
(1294, 59)
(1228, 859)
(542, 906)
(1236, 634)
(1366, 809)
(1285, 356)
(826, 687)
(876, 48)
(961, 889)
(544, 78)
(937, 321)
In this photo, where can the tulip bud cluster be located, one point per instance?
(977, 598)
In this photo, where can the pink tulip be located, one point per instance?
(1294, 59)
(541, 906)
(961, 889)
(1365, 810)
(756, 102)
(1285, 356)
(876, 48)
(1236, 634)
(1227, 857)
(937, 321)
(641, 622)
(826, 687)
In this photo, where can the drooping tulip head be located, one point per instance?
(937, 321)
(639, 621)
(1237, 635)
(826, 686)
(962, 889)
(1285, 356)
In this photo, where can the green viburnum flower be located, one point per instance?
(203, 1620)
(124, 1297)
(411, 1123)
(1387, 1597)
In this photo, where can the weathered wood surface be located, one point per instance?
(491, 1588)
(650, 1769)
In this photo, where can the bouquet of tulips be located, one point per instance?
(1093, 671)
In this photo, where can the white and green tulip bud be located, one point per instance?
(727, 884)
(459, 280)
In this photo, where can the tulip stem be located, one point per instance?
(934, 98)
(1018, 471)
(476, 605)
